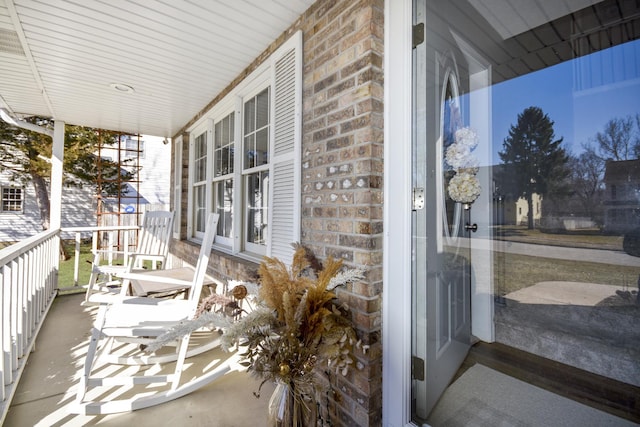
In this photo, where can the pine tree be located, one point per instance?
(537, 160)
(25, 155)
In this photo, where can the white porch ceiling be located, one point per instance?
(59, 58)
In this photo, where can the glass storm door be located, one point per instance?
(441, 252)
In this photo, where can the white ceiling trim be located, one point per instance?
(13, 15)
(178, 55)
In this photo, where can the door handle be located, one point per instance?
(472, 227)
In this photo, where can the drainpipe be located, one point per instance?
(57, 155)
(7, 117)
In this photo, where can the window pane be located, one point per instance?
(256, 131)
(224, 206)
(249, 152)
(223, 151)
(257, 197)
(200, 158)
(218, 135)
(12, 199)
(262, 109)
(200, 208)
(262, 147)
(250, 116)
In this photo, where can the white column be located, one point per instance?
(396, 295)
(57, 155)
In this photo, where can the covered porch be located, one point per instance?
(47, 389)
(332, 166)
(51, 335)
(132, 68)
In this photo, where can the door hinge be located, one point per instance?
(418, 198)
(418, 34)
(417, 368)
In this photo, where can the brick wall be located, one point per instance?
(342, 179)
(221, 266)
(342, 175)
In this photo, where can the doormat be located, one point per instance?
(484, 397)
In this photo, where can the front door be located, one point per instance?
(440, 224)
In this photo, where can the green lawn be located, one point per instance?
(65, 276)
(515, 272)
(578, 239)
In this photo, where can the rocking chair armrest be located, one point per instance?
(150, 257)
(136, 257)
(144, 277)
(98, 252)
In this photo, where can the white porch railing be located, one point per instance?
(115, 242)
(28, 285)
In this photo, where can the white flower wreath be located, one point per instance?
(464, 187)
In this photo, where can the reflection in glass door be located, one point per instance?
(552, 96)
(441, 265)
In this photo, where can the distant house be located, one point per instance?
(149, 157)
(510, 211)
(509, 207)
(622, 196)
(20, 215)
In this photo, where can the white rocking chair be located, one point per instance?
(137, 321)
(153, 246)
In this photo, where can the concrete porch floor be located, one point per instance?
(48, 385)
(47, 388)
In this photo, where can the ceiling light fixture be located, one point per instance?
(121, 87)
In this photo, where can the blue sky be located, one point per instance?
(580, 96)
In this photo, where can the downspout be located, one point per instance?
(7, 117)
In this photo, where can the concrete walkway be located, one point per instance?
(587, 325)
(559, 252)
(566, 293)
(47, 388)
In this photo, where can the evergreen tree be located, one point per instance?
(536, 159)
(25, 155)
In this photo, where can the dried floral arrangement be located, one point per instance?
(298, 323)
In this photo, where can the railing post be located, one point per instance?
(76, 260)
(28, 283)
(57, 156)
(15, 313)
(6, 326)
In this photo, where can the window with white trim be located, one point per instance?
(244, 160)
(177, 185)
(223, 176)
(199, 205)
(133, 148)
(12, 199)
(255, 170)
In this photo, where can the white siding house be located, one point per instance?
(20, 216)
